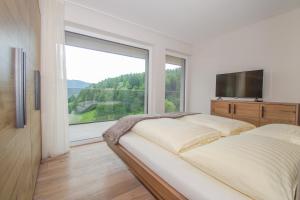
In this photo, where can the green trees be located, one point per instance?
(173, 81)
(116, 97)
(169, 106)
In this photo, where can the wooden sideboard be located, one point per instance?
(257, 113)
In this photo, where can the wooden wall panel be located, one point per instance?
(20, 149)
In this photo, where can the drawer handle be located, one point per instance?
(234, 110)
(262, 112)
(229, 108)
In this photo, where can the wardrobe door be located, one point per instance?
(20, 147)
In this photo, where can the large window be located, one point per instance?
(106, 80)
(175, 79)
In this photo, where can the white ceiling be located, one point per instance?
(191, 20)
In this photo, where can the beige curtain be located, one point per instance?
(55, 140)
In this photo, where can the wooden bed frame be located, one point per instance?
(155, 184)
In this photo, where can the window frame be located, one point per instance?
(121, 42)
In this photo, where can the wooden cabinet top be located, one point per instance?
(256, 102)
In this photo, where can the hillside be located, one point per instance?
(77, 84)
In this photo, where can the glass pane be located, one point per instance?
(103, 86)
(174, 93)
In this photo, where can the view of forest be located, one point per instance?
(116, 97)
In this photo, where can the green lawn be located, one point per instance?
(91, 116)
(83, 118)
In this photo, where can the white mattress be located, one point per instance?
(186, 179)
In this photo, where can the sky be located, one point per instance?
(94, 66)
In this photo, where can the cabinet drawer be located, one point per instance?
(221, 108)
(249, 112)
(278, 113)
(255, 122)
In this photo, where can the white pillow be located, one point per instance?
(174, 135)
(285, 132)
(226, 126)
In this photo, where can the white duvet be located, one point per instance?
(260, 167)
(225, 125)
(175, 135)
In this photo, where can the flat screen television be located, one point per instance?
(248, 84)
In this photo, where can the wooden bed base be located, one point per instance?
(155, 184)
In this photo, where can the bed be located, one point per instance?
(170, 176)
(184, 177)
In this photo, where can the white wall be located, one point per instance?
(272, 44)
(91, 21)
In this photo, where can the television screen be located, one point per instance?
(248, 84)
